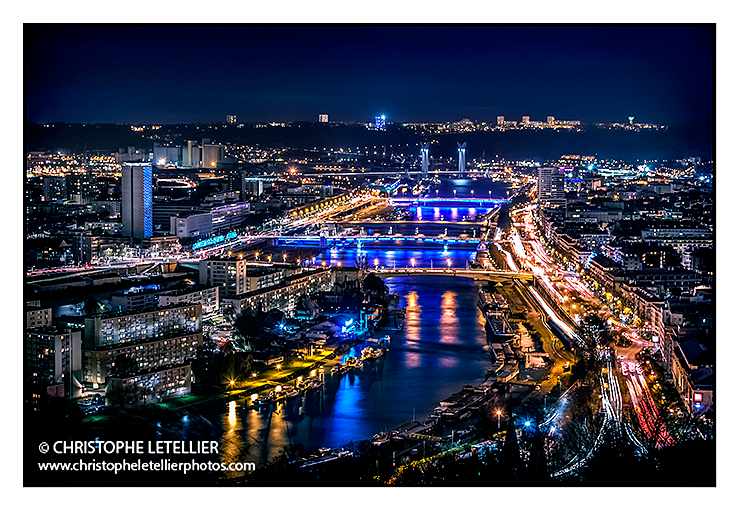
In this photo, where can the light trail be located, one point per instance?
(509, 259)
(553, 316)
(645, 409)
(612, 403)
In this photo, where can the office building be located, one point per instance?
(230, 119)
(501, 120)
(136, 200)
(380, 123)
(551, 190)
(323, 117)
(185, 226)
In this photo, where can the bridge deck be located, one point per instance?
(480, 274)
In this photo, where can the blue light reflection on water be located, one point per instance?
(437, 352)
(400, 257)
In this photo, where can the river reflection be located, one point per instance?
(436, 353)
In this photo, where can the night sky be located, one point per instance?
(150, 75)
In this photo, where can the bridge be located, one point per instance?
(477, 274)
(467, 243)
(449, 202)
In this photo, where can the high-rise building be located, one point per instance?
(136, 200)
(501, 119)
(550, 119)
(230, 119)
(323, 117)
(380, 123)
(551, 186)
(525, 119)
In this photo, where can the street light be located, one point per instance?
(448, 262)
(377, 263)
(413, 262)
(498, 413)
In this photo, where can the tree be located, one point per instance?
(249, 325)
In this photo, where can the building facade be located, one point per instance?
(53, 355)
(136, 200)
(113, 329)
(550, 186)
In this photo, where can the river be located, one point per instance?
(441, 348)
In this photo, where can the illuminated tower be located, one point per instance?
(461, 148)
(380, 123)
(136, 200)
(425, 159)
(550, 186)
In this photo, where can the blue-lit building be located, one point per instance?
(380, 123)
(136, 200)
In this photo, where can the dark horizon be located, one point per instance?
(188, 75)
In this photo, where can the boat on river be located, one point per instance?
(368, 353)
(314, 385)
(294, 394)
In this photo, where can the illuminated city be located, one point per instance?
(364, 298)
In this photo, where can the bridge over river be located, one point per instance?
(467, 243)
(477, 274)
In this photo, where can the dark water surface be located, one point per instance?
(441, 348)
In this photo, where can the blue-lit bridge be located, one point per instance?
(466, 243)
(477, 274)
(448, 202)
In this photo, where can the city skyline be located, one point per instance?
(356, 256)
(660, 74)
